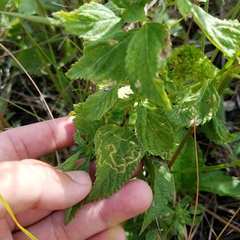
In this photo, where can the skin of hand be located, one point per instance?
(39, 193)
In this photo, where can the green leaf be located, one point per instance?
(31, 61)
(224, 34)
(120, 111)
(217, 132)
(195, 107)
(153, 234)
(28, 7)
(135, 12)
(69, 164)
(154, 131)
(195, 96)
(85, 127)
(3, 4)
(122, 3)
(220, 183)
(163, 186)
(91, 21)
(146, 52)
(188, 65)
(97, 104)
(117, 156)
(132, 11)
(84, 150)
(184, 7)
(71, 212)
(186, 160)
(103, 59)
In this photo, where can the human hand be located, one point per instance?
(39, 193)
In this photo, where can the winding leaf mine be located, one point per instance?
(118, 155)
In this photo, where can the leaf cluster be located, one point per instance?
(148, 93)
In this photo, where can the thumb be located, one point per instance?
(32, 184)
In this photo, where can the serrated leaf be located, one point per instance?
(91, 21)
(85, 128)
(217, 132)
(97, 104)
(195, 108)
(145, 54)
(84, 149)
(220, 183)
(117, 156)
(163, 187)
(154, 130)
(224, 34)
(71, 212)
(103, 59)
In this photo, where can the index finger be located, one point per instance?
(35, 140)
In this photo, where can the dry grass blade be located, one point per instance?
(34, 84)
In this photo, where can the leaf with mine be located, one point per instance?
(154, 130)
(117, 156)
(97, 104)
(217, 132)
(103, 59)
(224, 34)
(91, 21)
(163, 186)
(147, 50)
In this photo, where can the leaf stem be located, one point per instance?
(209, 168)
(180, 147)
(197, 177)
(175, 22)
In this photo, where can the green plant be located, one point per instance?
(150, 98)
(147, 94)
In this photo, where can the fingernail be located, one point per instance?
(81, 177)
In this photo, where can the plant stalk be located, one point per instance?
(180, 147)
